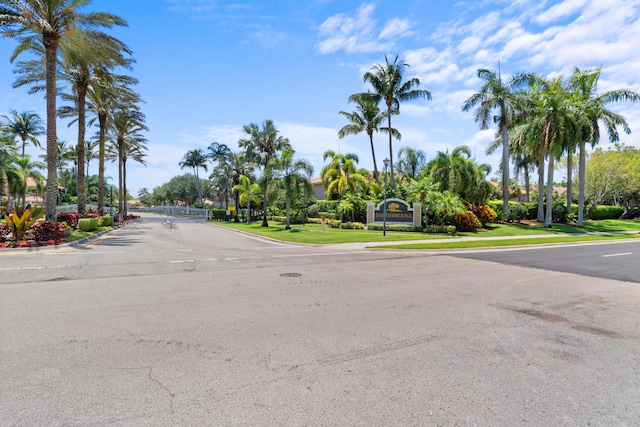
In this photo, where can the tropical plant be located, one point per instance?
(367, 118)
(390, 86)
(262, 145)
(49, 21)
(28, 169)
(27, 126)
(292, 174)
(410, 162)
(443, 205)
(20, 220)
(195, 159)
(248, 192)
(593, 111)
(341, 175)
(495, 94)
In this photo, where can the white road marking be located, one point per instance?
(622, 254)
(54, 267)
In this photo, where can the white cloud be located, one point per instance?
(357, 33)
(561, 10)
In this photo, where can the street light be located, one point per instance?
(384, 196)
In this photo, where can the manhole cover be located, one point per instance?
(290, 274)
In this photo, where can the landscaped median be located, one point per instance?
(498, 235)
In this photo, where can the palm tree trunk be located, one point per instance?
(548, 217)
(82, 92)
(569, 179)
(505, 171)
(541, 190)
(581, 175)
(287, 213)
(102, 119)
(120, 207)
(527, 184)
(375, 165)
(264, 205)
(393, 178)
(124, 187)
(51, 47)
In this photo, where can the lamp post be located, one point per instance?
(384, 196)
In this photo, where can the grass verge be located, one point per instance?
(77, 234)
(470, 244)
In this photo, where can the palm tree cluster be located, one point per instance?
(66, 48)
(540, 119)
(264, 169)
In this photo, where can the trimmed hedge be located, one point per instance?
(352, 226)
(88, 224)
(107, 221)
(397, 227)
(606, 212)
(440, 229)
(219, 214)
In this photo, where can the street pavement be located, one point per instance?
(175, 322)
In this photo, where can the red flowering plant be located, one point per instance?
(50, 232)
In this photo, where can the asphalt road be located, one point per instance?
(190, 324)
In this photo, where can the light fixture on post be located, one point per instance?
(384, 197)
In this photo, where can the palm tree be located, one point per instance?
(593, 111)
(503, 96)
(367, 119)
(27, 126)
(7, 156)
(125, 129)
(262, 146)
(445, 204)
(195, 159)
(248, 193)
(387, 81)
(111, 93)
(341, 174)
(28, 169)
(218, 152)
(411, 161)
(87, 56)
(236, 165)
(293, 174)
(49, 21)
(453, 172)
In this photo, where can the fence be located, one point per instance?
(179, 211)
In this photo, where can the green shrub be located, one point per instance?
(485, 214)
(327, 205)
(88, 224)
(606, 212)
(558, 212)
(333, 223)
(313, 211)
(218, 214)
(532, 209)
(314, 220)
(467, 221)
(107, 221)
(396, 227)
(439, 229)
(352, 226)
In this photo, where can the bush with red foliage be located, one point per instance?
(466, 221)
(71, 218)
(92, 215)
(5, 231)
(48, 231)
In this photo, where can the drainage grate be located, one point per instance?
(290, 274)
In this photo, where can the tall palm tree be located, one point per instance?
(110, 93)
(293, 174)
(248, 192)
(262, 145)
(341, 175)
(496, 94)
(49, 21)
(389, 85)
(27, 126)
(367, 118)
(125, 128)
(87, 56)
(195, 159)
(593, 111)
(411, 161)
(218, 152)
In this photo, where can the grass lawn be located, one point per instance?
(314, 234)
(510, 242)
(77, 234)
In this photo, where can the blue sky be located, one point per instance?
(208, 67)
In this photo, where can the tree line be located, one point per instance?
(64, 46)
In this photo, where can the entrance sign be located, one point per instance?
(398, 212)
